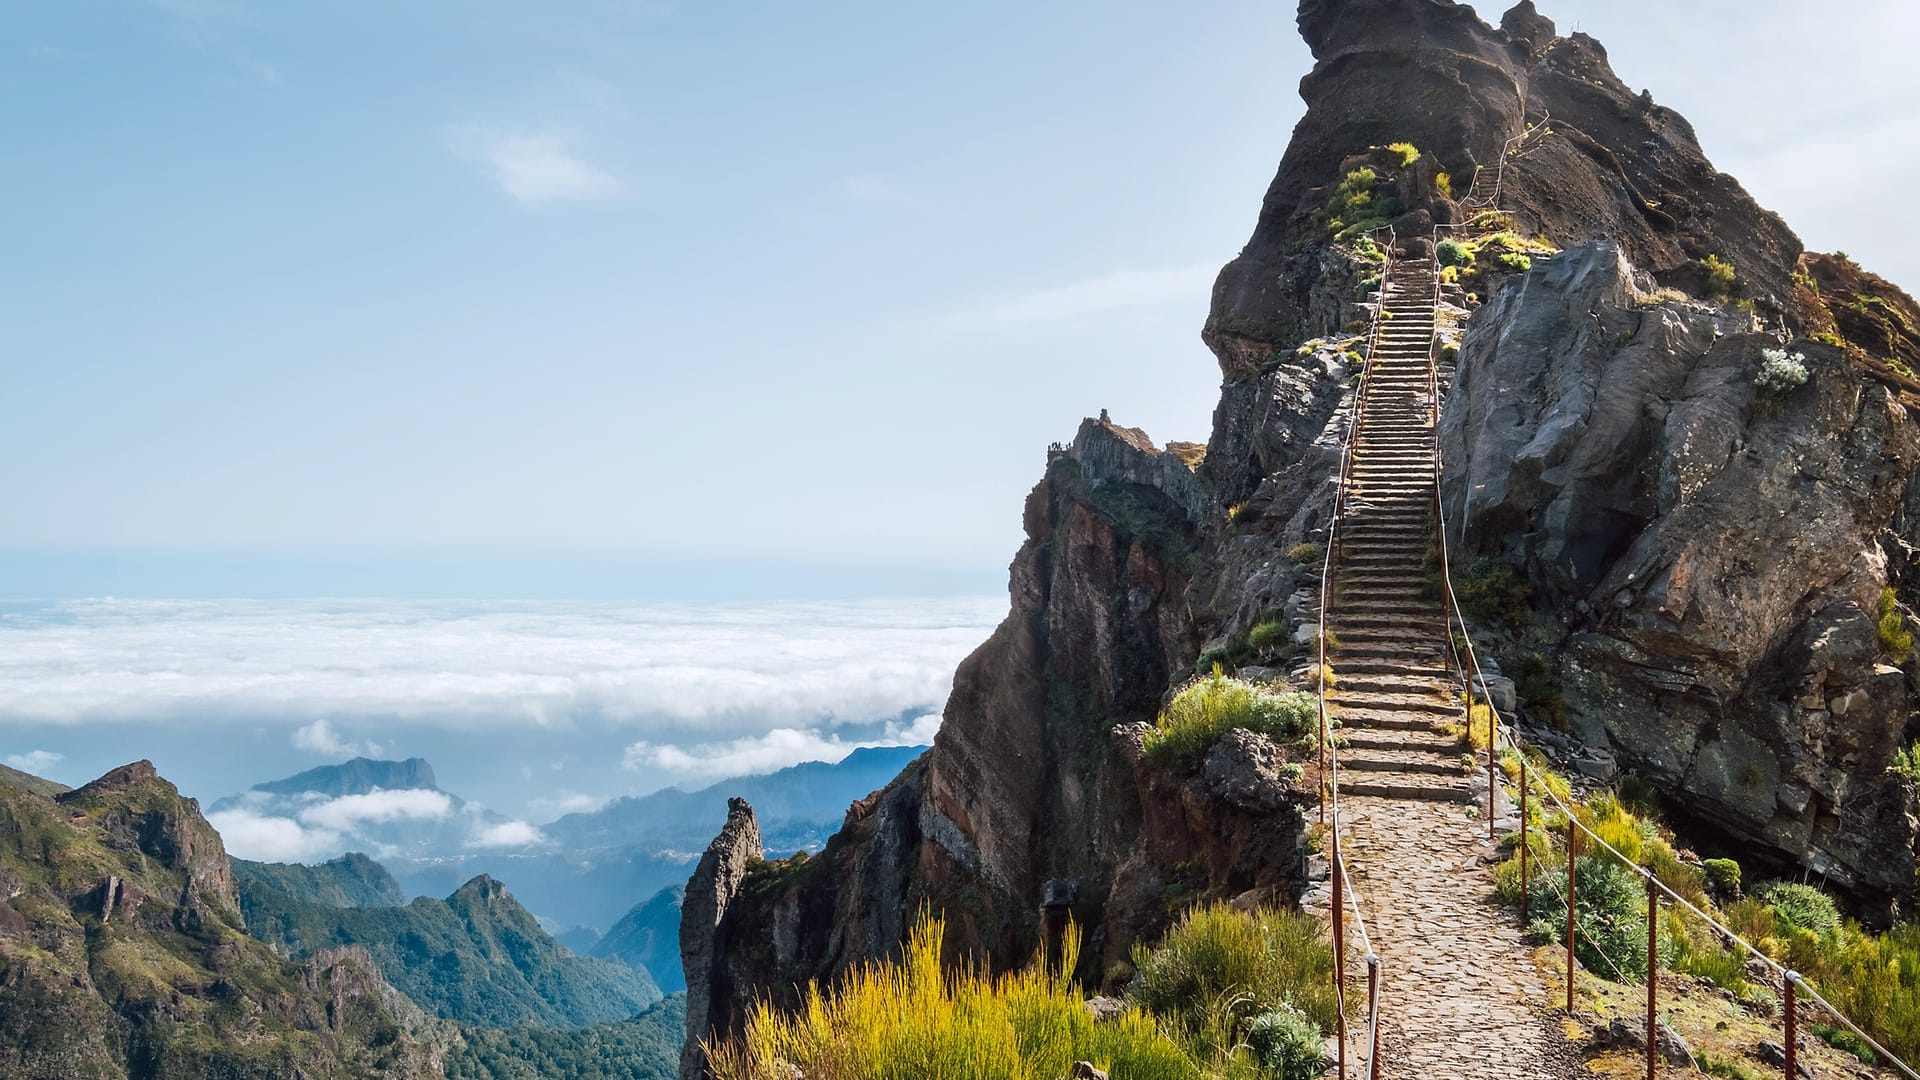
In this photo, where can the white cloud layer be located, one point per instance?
(776, 749)
(349, 812)
(533, 167)
(34, 761)
(668, 672)
(506, 834)
(268, 838)
(1122, 290)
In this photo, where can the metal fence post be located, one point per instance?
(1573, 853)
(1373, 1015)
(1653, 978)
(1339, 949)
(1793, 1024)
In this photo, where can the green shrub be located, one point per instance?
(1723, 877)
(1443, 182)
(1268, 959)
(1303, 554)
(1288, 1045)
(1367, 251)
(1720, 277)
(1894, 635)
(1407, 151)
(1841, 1039)
(1208, 708)
(1723, 965)
(1267, 633)
(1453, 253)
(1611, 919)
(1491, 591)
(1907, 763)
(1513, 260)
(1802, 906)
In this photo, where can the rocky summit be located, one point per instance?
(1677, 459)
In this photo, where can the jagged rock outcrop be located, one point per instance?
(1035, 803)
(123, 953)
(1709, 553)
(1604, 161)
(704, 950)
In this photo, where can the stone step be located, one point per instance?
(1421, 788)
(1356, 720)
(1425, 708)
(1407, 641)
(1366, 682)
(1393, 663)
(1401, 761)
(1431, 742)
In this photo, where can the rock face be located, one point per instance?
(1709, 554)
(123, 953)
(1603, 162)
(1035, 803)
(703, 939)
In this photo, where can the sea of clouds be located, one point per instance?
(686, 692)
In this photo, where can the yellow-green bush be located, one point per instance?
(1209, 707)
(919, 1018)
(1218, 954)
(1894, 635)
(1720, 277)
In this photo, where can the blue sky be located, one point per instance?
(483, 298)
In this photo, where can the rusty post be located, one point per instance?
(1373, 1018)
(1653, 978)
(1337, 901)
(1573, 852)
(1793, 1024)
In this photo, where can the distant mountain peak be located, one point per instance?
(357, 776)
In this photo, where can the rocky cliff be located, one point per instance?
(123, 953)
(1706, 542)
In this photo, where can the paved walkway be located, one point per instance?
(1460, 997)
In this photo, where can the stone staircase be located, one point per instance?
(1392, 687)
(1459, 996)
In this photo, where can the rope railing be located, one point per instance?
(1499, 727)
(1342, 895)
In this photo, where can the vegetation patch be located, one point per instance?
(1780, 371)
(1720, 277)
(1491, 591)
(1894, 635)
(1233, 983)
(1209, 707)
(1229, 994)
